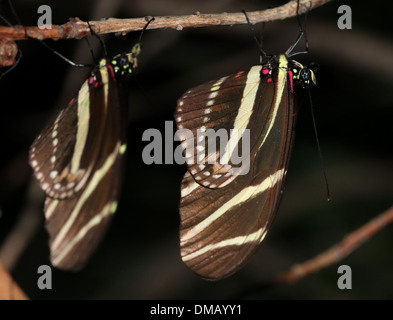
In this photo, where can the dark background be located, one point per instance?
(139, 257)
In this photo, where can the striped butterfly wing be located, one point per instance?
(225, 106)
(222, 227)
(64, 154)
(77, 221)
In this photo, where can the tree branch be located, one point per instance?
(338, 251)
(77, 29)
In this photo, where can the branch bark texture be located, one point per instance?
(77, 29)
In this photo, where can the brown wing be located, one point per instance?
(77, 222)
(221, 228)
(223, 111)
(64, 154)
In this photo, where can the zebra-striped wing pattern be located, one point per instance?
(85, 146)
(222, 227)
(224, 106)
(64, 154)
(79, 159)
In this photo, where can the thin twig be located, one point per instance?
(77, 29)
(339, 251)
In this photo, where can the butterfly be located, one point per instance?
(226, 210)
(78, 161)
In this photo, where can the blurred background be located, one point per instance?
(139, 257)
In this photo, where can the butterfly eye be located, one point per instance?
(123, 61)
(307, 77)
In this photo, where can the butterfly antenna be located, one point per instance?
(319, 147)
(263, 54)
(91, 51)
(301, 33)
(92, 31)
(304, 30)
(149, 20)
(77, 65)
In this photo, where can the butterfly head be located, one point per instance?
(124, 64)
(303, 75)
